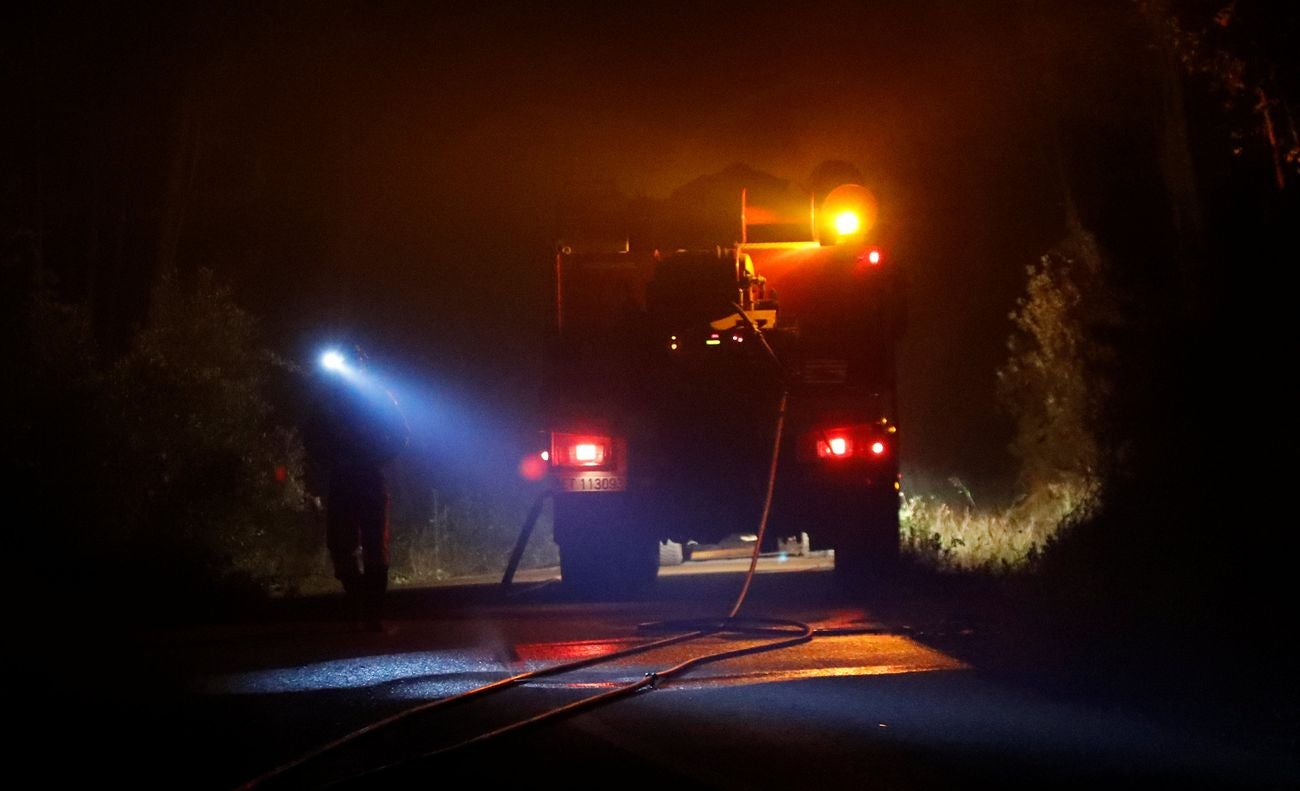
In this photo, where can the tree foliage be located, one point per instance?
(1240, 49)
(197, 466)
(1053, 381)
(163, 473)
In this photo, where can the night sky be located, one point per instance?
(395, 172)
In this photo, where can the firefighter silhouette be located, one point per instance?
(355, 429)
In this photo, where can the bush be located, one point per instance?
(947, 536)
(198, 471)
(1054, 381)
(165, 473)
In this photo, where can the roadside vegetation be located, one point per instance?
(169, 477)
(446, 530)
(952, 536)
(1054, 383)
(1139, 370)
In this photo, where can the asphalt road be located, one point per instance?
(899, 693)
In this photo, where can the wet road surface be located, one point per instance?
(888, 697)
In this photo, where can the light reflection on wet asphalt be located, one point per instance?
(425, 675)
(917, 697)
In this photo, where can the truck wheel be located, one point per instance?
(866, 554)
(601, 567)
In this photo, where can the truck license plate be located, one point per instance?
(593, 482)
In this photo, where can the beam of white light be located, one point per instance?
(357, 673)
(332, 360)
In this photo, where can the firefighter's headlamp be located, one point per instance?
(332, 360)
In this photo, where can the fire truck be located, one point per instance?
(675, 375)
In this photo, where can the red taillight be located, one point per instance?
(587, 453)
(864, 441)
(834, 447)
(583, 451)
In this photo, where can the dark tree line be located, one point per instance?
(1173, 137)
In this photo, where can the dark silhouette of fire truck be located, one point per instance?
(672, 372)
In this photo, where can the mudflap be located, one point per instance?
(605, 552)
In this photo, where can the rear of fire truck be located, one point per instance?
(667, 378)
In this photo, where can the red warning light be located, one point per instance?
(869, 259)
(859, 442)
(579, 450)
(532, 467)
(834, 447)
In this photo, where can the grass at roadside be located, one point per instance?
(949, 535)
